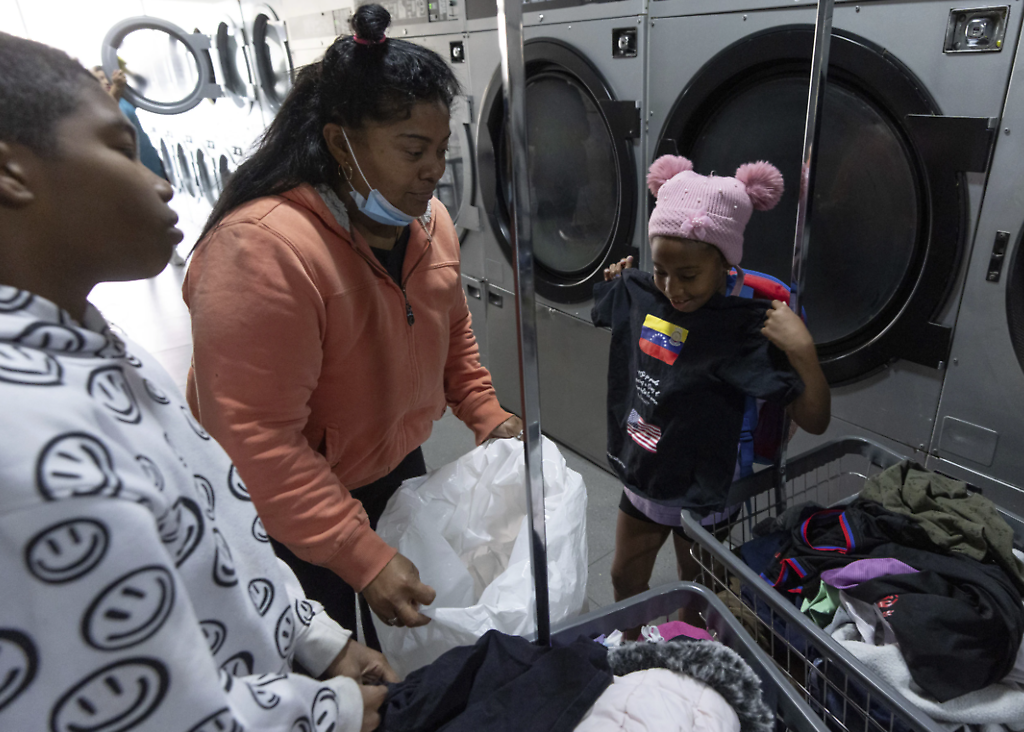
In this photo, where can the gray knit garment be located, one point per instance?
(719, 667)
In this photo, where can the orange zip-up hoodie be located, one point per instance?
(307, 370)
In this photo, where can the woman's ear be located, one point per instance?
(15, 191)
(336, 145)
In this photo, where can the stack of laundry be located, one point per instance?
(504, 683)
(918, 578)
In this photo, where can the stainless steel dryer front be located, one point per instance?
(979, 436)
(903, 154)
(585, 79)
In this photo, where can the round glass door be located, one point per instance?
(582, 176)
(888, 217)
(236, 75)
(574, 188)
(185, 172)
(169, 167)
(209, 178)
(273, 63)
(456, 188)
(168, 70)
(865, 211)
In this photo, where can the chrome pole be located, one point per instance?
(513, 76)
(802, 237)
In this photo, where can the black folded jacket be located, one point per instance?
(502, 683)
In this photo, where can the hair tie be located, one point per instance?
(365, 42)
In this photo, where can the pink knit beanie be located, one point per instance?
(708, 208)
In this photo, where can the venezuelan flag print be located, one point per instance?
(661, 339)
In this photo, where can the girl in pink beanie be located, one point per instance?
(684, 358)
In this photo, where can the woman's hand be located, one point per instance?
(614, 270)
(395, 595)
(511, 427)
(363, 664)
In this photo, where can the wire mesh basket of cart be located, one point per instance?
(832, 681)
(791, 712)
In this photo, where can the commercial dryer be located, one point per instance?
(979, 436)
(269, 56)
(585, 80)
(914, 93)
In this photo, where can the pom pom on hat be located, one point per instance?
(665, 168)
(763, 181)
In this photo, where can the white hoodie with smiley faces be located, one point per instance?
(139, 590)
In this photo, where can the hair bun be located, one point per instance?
(764, 184)
(370, 22)
(664, 169)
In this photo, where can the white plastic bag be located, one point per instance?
(464, 527)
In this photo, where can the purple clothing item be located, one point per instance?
(863, 570)
(669, 516)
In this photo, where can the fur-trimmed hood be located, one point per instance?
(719, 667)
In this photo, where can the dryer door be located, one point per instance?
(582, 172)
(457, 187)
(270, 56)
(232, 60)
(169, 70)
(889, 210)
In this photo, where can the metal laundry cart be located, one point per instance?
(790, 710)
(834, 683)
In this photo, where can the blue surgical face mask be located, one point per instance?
(375, 206)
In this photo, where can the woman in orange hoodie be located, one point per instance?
(329, 324)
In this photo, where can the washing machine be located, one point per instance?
(585, 71)
(979, 436)
(269, 56)
(915, 90)
(190, 74)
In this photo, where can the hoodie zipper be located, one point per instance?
(409, 315)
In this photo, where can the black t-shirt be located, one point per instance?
(677, 385)
(393, 259)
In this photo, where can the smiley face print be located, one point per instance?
(261, 592)
(76, 464)
(215, 633)
(224, 573)
(29, 366)
(219, 721)
(181, 529)
(67, 551)
(116, 698)
(286, 632)
(205, 491)
(325, 711)
(51, 337)
(130, 610)
(18, 663)
(13, 299)
(237, 487)
(110, 388)
(155, 393)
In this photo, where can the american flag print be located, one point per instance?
(644, 434)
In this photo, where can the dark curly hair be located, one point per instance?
(376, 79)
(39, 87)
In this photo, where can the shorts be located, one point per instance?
(717, 527)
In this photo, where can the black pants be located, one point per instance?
(327, 588)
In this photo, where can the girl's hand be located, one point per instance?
(786, 330)
(614, 270)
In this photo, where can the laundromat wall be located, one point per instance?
(915, 278)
